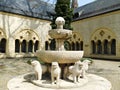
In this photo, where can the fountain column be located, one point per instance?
(60, 41)
(60, 36)
(60, 45)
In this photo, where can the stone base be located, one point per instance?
(28, 82)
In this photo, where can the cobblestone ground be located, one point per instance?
(14, 67)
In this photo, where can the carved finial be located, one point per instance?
(60, 22)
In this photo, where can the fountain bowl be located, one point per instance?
(61, 57)
(60, 33)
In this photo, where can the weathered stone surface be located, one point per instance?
(93, 82)
(60, 56)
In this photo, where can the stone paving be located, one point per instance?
(14, 67)
(108, 69)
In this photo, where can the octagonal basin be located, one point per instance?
(59, 56)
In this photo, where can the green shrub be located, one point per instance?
(29, 61)
(82, 59)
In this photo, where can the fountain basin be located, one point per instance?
(60, 33)
(61, 57)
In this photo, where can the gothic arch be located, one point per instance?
(17, 46)
(67, 45)
(26, 40)
(3, 41)
(102, 34)
(73, 46)
(76, 42)
(3, 45)
(30, 46)
(46, 45)
(93, 44)
(106, 46)
(113, 46)
(36, 47)
(81, 44)
(77, 45)
(99, 47)
(52, 44)
(24, 46)
(76, 36)
(103, 41)
(27, 34)
(2, 33)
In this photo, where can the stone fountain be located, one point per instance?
(62, 70)
(60, 55)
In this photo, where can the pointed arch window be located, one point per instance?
(99, 47)
(93, 47)
(53, 44)
(67, 45)
(81, 45)
(17, 45)
(36, 46)
(73, 45)
(3, 45)
(106, 47)
(24, 46)
(46, 45)
(30, 46)
(113, 46)
(77, 46)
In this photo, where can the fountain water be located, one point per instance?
(59, 61)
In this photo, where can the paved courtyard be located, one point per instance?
(14, 67)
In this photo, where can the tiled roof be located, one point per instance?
(32, 8)
(41, 9)
(96, 8)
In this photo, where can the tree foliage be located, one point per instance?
(63, 9)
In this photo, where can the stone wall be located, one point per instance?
(102, 30)
(98, 36)
(19, 33)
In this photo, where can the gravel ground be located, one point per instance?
(14, 67)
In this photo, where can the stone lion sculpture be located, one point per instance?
(38, 69)
(55, 73)
(76, 70)
(85, 68)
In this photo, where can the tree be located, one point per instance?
(63, 9)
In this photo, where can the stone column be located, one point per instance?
(10, 47)
(95, 48)
(60, 45)
(33, 48)
(109, 47)
(102, 44)
(26, 47)
(20, 47)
